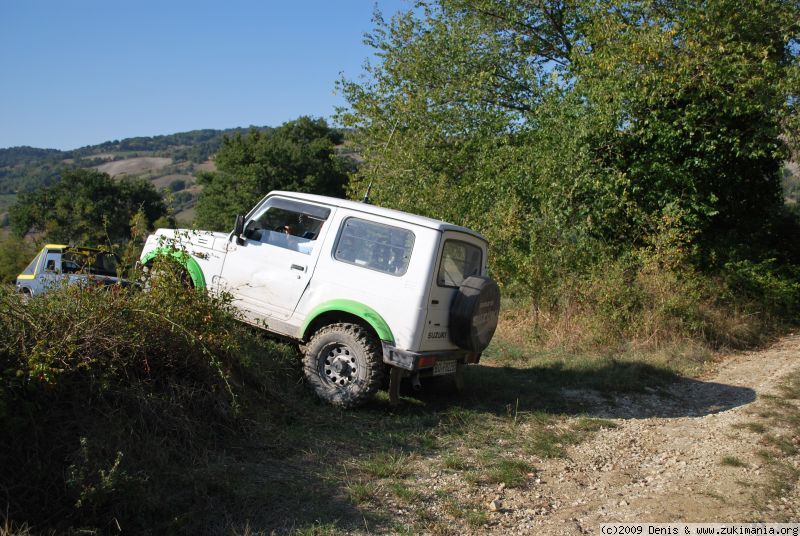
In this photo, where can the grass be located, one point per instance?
(360, 492)
(732, 461)
(755, 427)
(547, 444)
(782, 444)
(511, 472)
(391, 453)
(404, 493)
(10, 529)
(477, 518)
(585, 424)
(780, 440)
(455, 461)
(317, 529)
(386, 465)
(296, 466)
(471, 513)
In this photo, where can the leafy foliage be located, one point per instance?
(23, 168)
(698, 93)
(791, 187)
(15, 254)
(298, 156)
(568, 132)
(86, 207)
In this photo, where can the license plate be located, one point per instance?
(444, 367)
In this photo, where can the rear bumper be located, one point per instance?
(416, 361)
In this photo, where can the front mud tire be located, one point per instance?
(342, 364)
(163, 269)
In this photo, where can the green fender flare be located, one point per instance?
(364, 312)
(183, 258)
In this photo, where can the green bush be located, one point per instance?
(109, 397)
(15, 254)
(776, 287)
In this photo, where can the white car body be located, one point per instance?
(355, 261)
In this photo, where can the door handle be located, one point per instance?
(298, 267)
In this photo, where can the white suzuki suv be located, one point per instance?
(365, 290)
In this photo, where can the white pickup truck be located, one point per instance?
(365, 290)
(59, 264)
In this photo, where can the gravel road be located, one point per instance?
(663, 462)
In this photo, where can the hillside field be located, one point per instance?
(134, 166)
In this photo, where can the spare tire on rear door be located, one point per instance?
(474, 312)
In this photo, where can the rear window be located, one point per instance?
(460, 260)
(89, 261)
(376, 246)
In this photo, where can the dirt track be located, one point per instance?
(663, 462)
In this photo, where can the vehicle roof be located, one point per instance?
(78, 248)
(359, 206)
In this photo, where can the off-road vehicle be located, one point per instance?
(60, 264)
(365, 290)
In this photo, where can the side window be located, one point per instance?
(53, 261)
(376, 246)
(287, 224)
(459, 261)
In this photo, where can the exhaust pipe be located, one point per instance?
(415, 384)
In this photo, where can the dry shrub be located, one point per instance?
(516, 325)
(641, 304)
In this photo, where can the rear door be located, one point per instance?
(460, 256)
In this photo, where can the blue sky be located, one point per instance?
(81, 72)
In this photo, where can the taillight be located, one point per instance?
(426, 361)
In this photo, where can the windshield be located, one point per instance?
(288, 224)
(89, 261)
(31, 268)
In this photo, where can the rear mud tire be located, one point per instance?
(342, 364)
(474, 313)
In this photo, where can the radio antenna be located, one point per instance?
(385, 146)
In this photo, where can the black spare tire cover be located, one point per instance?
(474, 312)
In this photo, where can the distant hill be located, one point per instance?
(170, 162)
(27, 168)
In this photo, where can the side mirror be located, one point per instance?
(238, 229)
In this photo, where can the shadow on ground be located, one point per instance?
(685, 398)
(615, 390)
(306, 467)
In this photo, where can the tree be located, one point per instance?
(86, 207)
(299, 155)
(563, 128)
(700, 96)
(15, 254)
